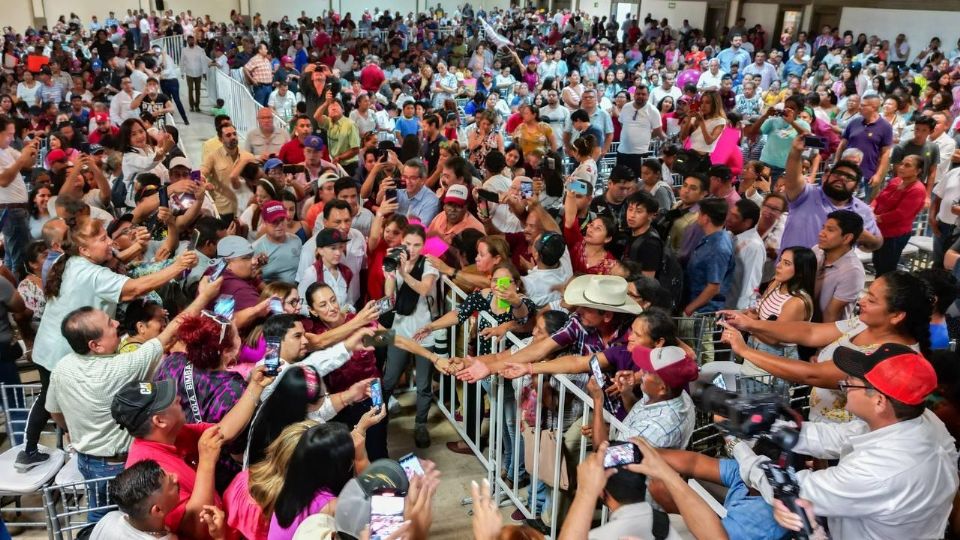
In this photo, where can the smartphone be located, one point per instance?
(386, 515)
(598, 375)
(224, 306)
(164, 198)
(621, 453)
(551, 163)
(218, 268)
(195, 176)
(271, 359)
(614, 405)
(578, 186)
(503, 283)
(194, 240)
(384, 305)
(376, 394)
(380, 338)
(813, 141)
(411, 465)
(487, 195)
(276, 305)
(526, 188)
(293, 169)
(401, 183)
(390, 194)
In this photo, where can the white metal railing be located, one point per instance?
(237, 99)
(505, 446)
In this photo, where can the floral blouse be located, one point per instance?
(34, 299)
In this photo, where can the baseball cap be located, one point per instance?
(670, 363)
(326, 177)
(313, 142)
(56, 155)
(180, 161)
(272, 163)
(550, 246)
(456, 194)
(98, 149)
(286, 59)
(137, 401)
(234, 247)
(273, 212)
(895, 370)
(353, 503)
(328, 237)
(101, 117)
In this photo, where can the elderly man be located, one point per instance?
(241, 280)
(873, 135)
(599, 119)
(101, 372)
(121, 104)
(222, 168)
(711, 79)
(260, 73)
(264, 140)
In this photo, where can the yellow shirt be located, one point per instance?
(341, 136)
(216, 168)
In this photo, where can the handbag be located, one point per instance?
(548, 457)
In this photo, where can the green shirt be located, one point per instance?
(341, 136)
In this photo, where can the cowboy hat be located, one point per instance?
(606, 293)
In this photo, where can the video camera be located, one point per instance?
(749, 416)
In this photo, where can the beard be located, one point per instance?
(836, 193)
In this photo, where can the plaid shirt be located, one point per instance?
(259, 70)
(665, 424)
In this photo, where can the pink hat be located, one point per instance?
(670, 363)
(286, 59)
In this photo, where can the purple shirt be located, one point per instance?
(870, 139)
(244, 291)
(584, 341)
(809, 211)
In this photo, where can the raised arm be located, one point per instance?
(793, 181)
(135, 288)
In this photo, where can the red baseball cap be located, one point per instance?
(101, 117)
(895, 370)
(670, 363)
(56, 155)
(273, 212)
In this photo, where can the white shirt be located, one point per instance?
(896, 482)
(355, 258)
(628, 521)
(16, 191)
(947, 190)
(709, 80)
(659, 93)
(193, 61)
(539, 284)
(749, 255)
(365, 123)
(502, 216)
(114, 526)
(120, 107)
(947, 146)
(638, 127)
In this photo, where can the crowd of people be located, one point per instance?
(597, 189)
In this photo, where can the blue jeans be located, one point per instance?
(171, 87)
(886, 258)
(93, 467)
(261, 93)
(16, 234)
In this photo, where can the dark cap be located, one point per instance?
(895, 370)
(550, 246)
(137, 401)
(328, 237)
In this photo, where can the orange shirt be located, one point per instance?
(440, 228)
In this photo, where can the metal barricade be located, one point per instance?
(172, 46)
(67, 506)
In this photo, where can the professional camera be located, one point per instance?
(749, 416)
(391, 261)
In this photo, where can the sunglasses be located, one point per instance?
(849, 177)
(222, 321)
(845, 386)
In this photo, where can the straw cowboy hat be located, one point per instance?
(606, 293)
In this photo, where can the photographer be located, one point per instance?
(897, 470)
(593, 482)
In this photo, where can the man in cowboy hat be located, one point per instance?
(601, 319)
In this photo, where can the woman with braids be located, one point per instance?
(80, 278)
(895, 309)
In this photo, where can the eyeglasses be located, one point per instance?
(295, 302)
(845, 386)
(773, 209)
(222, 321)
(846, 175)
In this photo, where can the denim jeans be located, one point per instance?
(886, 258)
(171, 87)
(93, 467)
(261, 93)
(16, 234)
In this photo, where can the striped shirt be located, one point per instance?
(665, 424)
(772, 304)
(259, 70)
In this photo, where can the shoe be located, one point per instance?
(518, 516)
(26, 461)
(459, 447)
(393, 406)
(421, 437)
(538, 524)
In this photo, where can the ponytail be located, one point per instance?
(80, 230)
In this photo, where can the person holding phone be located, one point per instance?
(588, 250)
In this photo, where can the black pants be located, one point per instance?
(377, 434)
(886, 258)
(471, 414)
(193, 92)
(38, 416)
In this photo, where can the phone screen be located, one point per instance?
(271, 359)
(194, 240)
(376, 393)
(218, 268)
(526, 189)
(386, 516)
(276, 305)
(195, 175)
(578, 186)
(224, 306)
(620, 454)
(411, 465)
(164, 198)
(597, 372)
(384, 305)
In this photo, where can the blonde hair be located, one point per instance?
(274, 288)
(267, 477)
(715, 102)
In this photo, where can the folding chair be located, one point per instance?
(67, 506)
(17, 400)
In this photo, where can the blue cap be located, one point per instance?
(314, 142)
(272, 163)
(96, 64)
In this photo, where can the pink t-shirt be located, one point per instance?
(243, 513)
(286, 533)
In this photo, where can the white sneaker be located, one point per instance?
(393, 406)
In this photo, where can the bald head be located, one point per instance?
(54, 232)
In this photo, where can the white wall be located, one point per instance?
(764, 14)
(918, 26)
(695, 12)
(87, 8)
(597, 8)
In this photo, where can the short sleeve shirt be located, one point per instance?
(809, 211)
(282, 259)
(869, 139)
(16, 191)
(844, 279)
(712, 261)
(780, 135)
